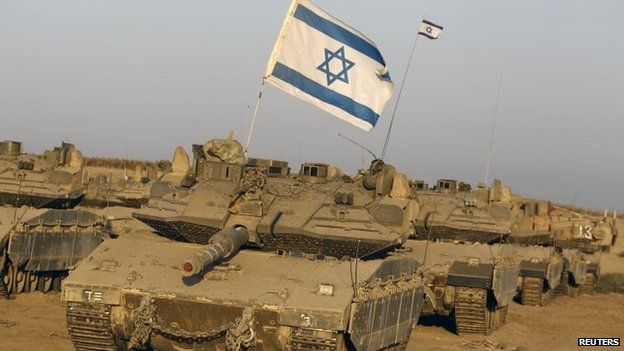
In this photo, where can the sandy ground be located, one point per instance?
(37, 322)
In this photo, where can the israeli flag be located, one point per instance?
(327, 63)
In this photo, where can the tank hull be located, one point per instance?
(254, 299)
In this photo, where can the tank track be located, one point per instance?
(89, 327)
(303, 341)
(565, 288)
(533, 292)
(4, 294)
(472, 313)
(588, 286)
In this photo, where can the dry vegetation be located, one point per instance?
(611, 283)
(110, 162)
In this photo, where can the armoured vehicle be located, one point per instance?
(473, 283)
(545, 224)
(142, 293)
(305, 212)
(104, 191)
(587, 233)
(453, 211)
(52, 180)
(275, 261)
(38, 247)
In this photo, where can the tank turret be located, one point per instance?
(51, 180)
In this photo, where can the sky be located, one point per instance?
(136, 78)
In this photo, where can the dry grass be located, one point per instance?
(110, 162)
(611, 283)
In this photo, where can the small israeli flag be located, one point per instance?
(430, 30)
(327, 63)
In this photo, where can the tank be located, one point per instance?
(251, 255)
(38, 246)
(143, 293)
(181, 214)
(586, 233)
(579, 238)
(51, 180)
(452, 210)
(318, 211)
(112, 187)
(473, 284)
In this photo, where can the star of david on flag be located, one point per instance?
(324, 61)
(430, 30)
(342, 74)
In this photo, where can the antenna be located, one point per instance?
(489, 154)
(253, 116)
(364, 148)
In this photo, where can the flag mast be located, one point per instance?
(253, 116)
(276, 48)
(396, 104)
(431, 31)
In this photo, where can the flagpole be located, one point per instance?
(489, 154)
(396, 104)
(253, 116)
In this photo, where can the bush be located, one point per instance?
(611, 283)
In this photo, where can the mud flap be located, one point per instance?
(504, 284)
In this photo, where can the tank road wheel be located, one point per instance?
(45, 283)
(534, 293)
(56, 282)
(587, 288)
(20, 281)
(9, 279)
(32, 280)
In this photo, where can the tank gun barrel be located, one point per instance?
(222, 244)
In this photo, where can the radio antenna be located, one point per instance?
(358, 144)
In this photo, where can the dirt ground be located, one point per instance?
(37, 322)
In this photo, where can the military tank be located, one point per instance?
(111, 188)
(164, 295)
(283, 263)
(584, 232)
(39, 246)
(319, 211)
(184, 214)
(452, 210)
(473, 284)
(52, 180)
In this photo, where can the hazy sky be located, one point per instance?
(137, 78)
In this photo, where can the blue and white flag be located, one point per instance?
(327, 63)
